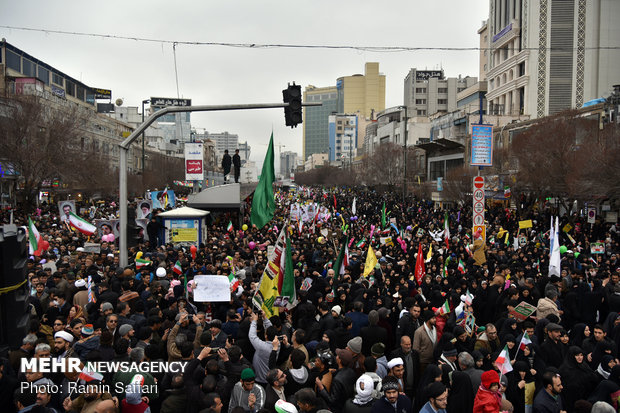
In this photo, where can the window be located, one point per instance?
(29, 68)
(521, 70)
(70, 88)
(13, 61)
(442, 101)
(44, 75)
(57, 79)
(420, 90)
(420, 101)
(459, 90)
(421, 113)
(442, 90)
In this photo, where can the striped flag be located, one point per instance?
(503, 361)
(34, 237)
(91, 296)
(444, 309)
(525, 340)
(229, 228)
(468, 250)
(446, 230)
(141, 263)
(89, 375)
(306, 284)
(461, 266)
(81, 224)
(469, 298)
(232, 276)
(361, 244)
(177, 268)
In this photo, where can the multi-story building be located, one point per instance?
(342, 138)
(23, 74)
(362, 93)
(288, 163)
(427, 91)
(548, 56)
(316, 160)
(352, 94)
(315, 122)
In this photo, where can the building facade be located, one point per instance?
(315, 121)
(428, 92)
(550, 55)
(343, 131)
(362, 93)
(288, 163)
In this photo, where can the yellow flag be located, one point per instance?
(501, 232)
(371, 261)
(430, 253)
(506, 239)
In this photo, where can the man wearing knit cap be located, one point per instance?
(87, 343)
(247, 394)
(392, 401)
(437, 395)
(336, 310)
(355, 345)
(377, 351)
(447, 361)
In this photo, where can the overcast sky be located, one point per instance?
(213, 75)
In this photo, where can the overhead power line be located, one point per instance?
(377, 49)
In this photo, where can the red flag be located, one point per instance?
(420, 271)
(335, 201)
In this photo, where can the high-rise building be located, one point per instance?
(358, 93)
(428, 92)
(342, 138)
(316, 138)
(288, 163)
(362, 93)
(550, 55)
(223, 141)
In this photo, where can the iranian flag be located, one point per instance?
(525, 340)
(177, 268)
(446, 230)
(229, 228)
(503, 361)
(142, 263)
(81, 225)
(89, 375)
(444, 309)
(361, 243)
(468, 250)
(232, 276)
(34, 238)
(461, 266)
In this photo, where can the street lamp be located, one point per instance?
(143, 103)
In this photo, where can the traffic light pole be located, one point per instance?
(126, 144)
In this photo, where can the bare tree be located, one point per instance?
(41, 143)
(385, 166)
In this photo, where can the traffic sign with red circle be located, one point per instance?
(479, 182)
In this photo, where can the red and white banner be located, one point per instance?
(194, 162)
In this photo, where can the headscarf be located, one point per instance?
(79, 312)
(576, 335)
(603, 368)
(364, 387)
(461, 394)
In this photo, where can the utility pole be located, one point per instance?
(405, 156)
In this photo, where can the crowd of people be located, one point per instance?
(384, 342)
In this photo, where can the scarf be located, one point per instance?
(602, 371)
(432, 334)
(363, 395)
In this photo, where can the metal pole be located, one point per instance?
(405, 158)
(126, 144)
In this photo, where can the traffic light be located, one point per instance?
(292, 112)
(14, 291)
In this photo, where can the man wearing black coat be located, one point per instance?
(410, 321)
(552, 352)
(343, 382)
(226, 164)
(411, 361)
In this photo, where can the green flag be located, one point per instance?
(288, 284)
(383, 216)
(263, 204)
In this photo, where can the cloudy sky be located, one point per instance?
(212, 75)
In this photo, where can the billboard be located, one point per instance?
(193, 162)
(482, 145)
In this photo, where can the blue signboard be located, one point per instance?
(482, 145)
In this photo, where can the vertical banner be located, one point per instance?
(193, 162)
(478, 207)
(482, 145)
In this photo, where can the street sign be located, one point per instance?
(478, 206)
